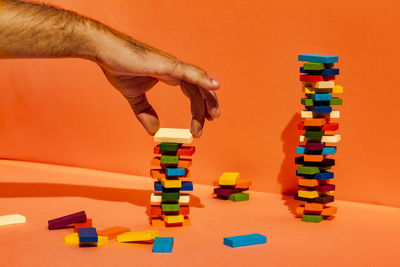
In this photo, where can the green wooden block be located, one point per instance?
(308, 170)
(311, 218)
(313, 66)
(336, 101)
(172, 147)
(169, 159)
(307, 102)
(314, 134)
(239, 197)
(170, 196)
(170, 207)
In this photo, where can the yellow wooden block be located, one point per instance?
(72, 239)
(175, 183)
(308, 194)
(138, 236)
(229, 178)
(174, 218)
(337, 89)
(171, 135)
(330, 193)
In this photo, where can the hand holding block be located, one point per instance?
(171, 135)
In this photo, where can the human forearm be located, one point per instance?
(29, 30)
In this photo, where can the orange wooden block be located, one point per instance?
(243, 184)
(316, 122)
(159, 174)
(186, 222)
(329, 211)
(314, 158)
(112, 232)
(308, 182)
(182, 163)
(156, 222)
(313, 208)
(299, 211)
(87, 224)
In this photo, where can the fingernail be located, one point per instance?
(214, 82)
(217, 112)
(200, 132)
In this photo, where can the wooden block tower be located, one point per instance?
(170, 201)
(318, 123)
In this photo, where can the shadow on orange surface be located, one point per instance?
(287, 174)
(134, 196)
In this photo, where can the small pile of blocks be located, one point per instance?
(231, 187)
(170, 201)
(315, 187)
(87, 236)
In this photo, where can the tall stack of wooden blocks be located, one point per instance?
(318, 123)
(170, 201)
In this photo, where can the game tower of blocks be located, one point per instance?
(170, 201)
(315, 186)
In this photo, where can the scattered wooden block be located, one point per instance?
(113, 232)
(87, 224)
(12, 219)
(138, 236)
(245, 240)
(87, 235)
(240, 196)
(67, 220)
(172, 219)
(163, 245)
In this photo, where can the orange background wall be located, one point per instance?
(65, 112)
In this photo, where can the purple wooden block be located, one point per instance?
(314, 146)
(225, 192)
(325, 187)
(67, 220)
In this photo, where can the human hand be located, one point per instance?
(134, 68)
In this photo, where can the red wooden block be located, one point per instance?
(155, 210)
(330, 127)
(182, 151)
(310, 78)
(301, 126)
(87, 224)
(329, 77)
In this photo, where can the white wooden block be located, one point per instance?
(323, 84)
(325, 139)
(156, 198)
(183, 136)
(12, 219)
(335, 114)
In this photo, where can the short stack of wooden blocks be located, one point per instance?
(231, 187)
(315, 187)
(170, 201)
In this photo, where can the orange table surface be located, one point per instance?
(360, 235)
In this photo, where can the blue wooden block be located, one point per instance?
(328, 150)
(322, 109)
(163, 244)
(175, 171)
(158, 186)
(321, 97)
(324, 72)
(187, 186)
(245, 240)
(319, 176)
(318, 58)
(87, 235)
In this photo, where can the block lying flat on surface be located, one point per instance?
(12, 219)
(113, 232)
(318, 58)
(87, 235)
(171, 135)
(226, 192)
(325, 139)
(67, 220)
(229, 178)
(311, 218)
(87, 224)
(236, 197)
(335, 114)
(245, 240)
(138, 236)
(73, 239)
(163, 245)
